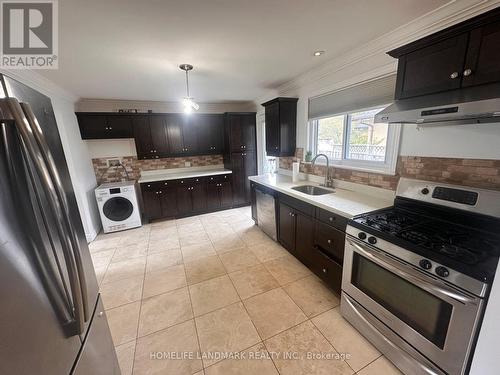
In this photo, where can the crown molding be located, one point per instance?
(40, 83)
(440, 18)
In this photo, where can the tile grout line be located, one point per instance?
(140, 307)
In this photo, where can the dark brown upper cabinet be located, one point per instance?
(281, 126)
(463, 57)
(210, 133)
(150, 134)
(104, 126)
(242, 131)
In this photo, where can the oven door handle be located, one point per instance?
(428, 285)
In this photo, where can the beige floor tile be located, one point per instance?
(268, 250)
(253, 280)
(161, 233)
(125, 354)
(135, 250)
(381, 366)
(123, 322)
(312, 295)
(99, 273)
(253, 236)
(226, 243)
(164, 280)
(253, 361)
(196, 252)
(273, 312)
(163, 224)
(132, 237)
(306, 342)
(346, 339)
(187, 220)
(164, 310)
(186, 229)
(125, 269)
(212, 294)
(225, 330)
(158, 246)
(287, 269)
(195, 239)
(102, 258)
(104, 242)
(236, 260)
(177, 339)
(204, 269)
(121, 292)
(159, 261)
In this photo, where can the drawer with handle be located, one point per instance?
(326, 268)
(332, 219)
(330, 239)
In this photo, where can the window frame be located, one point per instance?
(392, 146)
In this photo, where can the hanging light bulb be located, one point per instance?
(188, 103)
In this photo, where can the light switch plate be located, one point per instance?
(187, 163)
(113, 162)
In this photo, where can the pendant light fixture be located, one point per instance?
(188, 102)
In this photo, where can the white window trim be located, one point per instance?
(392, 146)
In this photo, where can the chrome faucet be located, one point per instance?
(327, 179)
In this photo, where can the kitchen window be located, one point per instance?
(353, 140)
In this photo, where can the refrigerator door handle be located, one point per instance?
(34, 153)
(54, 174)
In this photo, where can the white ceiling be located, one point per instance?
(126, 49)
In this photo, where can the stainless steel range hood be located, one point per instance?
(449, 108)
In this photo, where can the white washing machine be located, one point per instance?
(118, 206)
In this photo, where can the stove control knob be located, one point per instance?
(442, 271)
(425, 191)
(425, 264)
(372, 240)
(362, 235)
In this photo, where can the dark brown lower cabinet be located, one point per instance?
(320, 246)
(177, 198)
(287, 227)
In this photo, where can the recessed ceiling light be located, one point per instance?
(318, 53)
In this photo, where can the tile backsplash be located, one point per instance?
(134, 166)
(480, 173)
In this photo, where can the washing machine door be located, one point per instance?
(118, 209)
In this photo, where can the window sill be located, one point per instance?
(385, 170)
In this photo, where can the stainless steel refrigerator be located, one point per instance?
(52, 320)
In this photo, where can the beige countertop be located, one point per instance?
(177, 173)
(347, 200)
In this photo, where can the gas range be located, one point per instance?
(416, 276)
(459, 241)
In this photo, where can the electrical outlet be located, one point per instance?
(187, 163)
(113, 162)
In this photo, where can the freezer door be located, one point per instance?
(37, 326)
(42, 110)
(98, 355)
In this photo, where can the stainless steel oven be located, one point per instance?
(421, 322)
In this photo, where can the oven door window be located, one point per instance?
(421, 310)
(118, 209)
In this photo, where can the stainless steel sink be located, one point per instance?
(312, 190)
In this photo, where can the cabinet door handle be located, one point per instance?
(324, 270)
(454, 75)
(329, 242)
(110, 128)
(467, 72)
(331, 218)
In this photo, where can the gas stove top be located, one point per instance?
(462, 239)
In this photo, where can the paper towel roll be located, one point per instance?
(295, 172)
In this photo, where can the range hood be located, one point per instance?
(448, 108)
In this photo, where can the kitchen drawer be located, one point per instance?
(303, 207)
(190, 181)
(330, 239)
(218, 178)
(330, 218)
(326, 268)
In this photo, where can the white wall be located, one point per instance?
(465, 141)
(75, 150)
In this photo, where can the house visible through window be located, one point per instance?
(355, 140)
